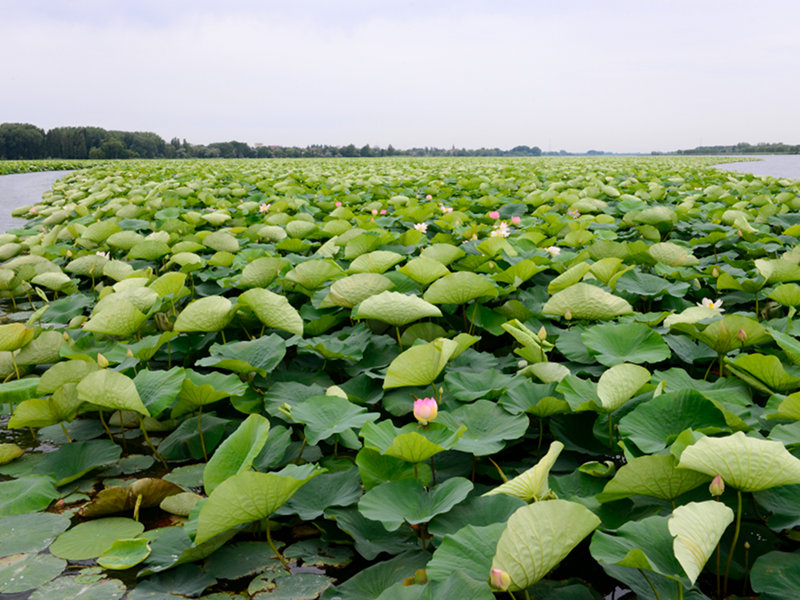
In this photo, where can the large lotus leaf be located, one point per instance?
(63, 405)
(90, 539)
(376, 468)
(657, 215)
(746, 463)
(26, 494)
(656, 475)
(396, 502)
(538, 537)
(148, 250)
(340, 488)
(767, 369)
(471, 385)
(697, 527)
(260, 355)
(419, 365)
(9, 452)
(470, 550)
(42, 350)
(249, 496)
(654, 425)
(382, 577)
(273, 310)
(572, 275)
(488, 426)
(158, 389)
(413, 443)
(347, 343)
(395, 308)
(262, 271)
(645, 284)
(124, 554)
(221, 241)
(117, 270)
(53, 281)
(143, 298)
(14, 336)
(519, 272)
(30, 532)
(723, 336)
(169, 283)
(237, 452)
(586, 301)
(776, 575)
(619, 383)
(672, 254)
(199, 389)
(90, 265)
(325, 416)
(444, 253)
(211, 313)
(460, 288)
(80, 588)
(424, 270)
(787, 294)
(124, 240)
(789, 408)
(363, 243)
(119, 316)
(271, 233)
(188, 261)
(299, 229)
(75, 459)
(777, 271)
(351, 290)
(17, 390)
(110, 389)
(533, 483)
(22, 572)
(312, 274)
(378, 261)
(788, 344)
(614, 344)
(693, 314)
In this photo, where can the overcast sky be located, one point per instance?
(614, 75)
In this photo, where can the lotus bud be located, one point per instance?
(102, 361)
(715, 272)
(747, 545)
(542, 333)
(128, 353)
(568, 315)
(500, 579)
(717, 486)
(741, 335)
(425, 410)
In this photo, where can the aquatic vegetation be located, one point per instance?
(402, 379)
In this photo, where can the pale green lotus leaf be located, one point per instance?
(117, 270)
(378, 261)
(538, 537)
(657, 215)
(460, 288)
(444, 253)
(63, 405)
(187, 259)
(119, 317)
(124, 554)
(697, 528)
(767, 369)
(618, 384)
(672, 255)
(110, 389)
(572, 275)
(777, 271)
(9, 452)
(748, 464)
(237, 452)
(100, 230)
(654, 475)
(249, 496)
(180, 504)
(262, 271)
(42, 350)
(605, 268)
(548, 372)
(273, 310)
(419, 365)
(424, 270)
(299, 229)
(353, 289)
(221, 241)
(216, 218)
(723, 335)
(789, 408)
(10, 249)
(693, 314)
(56, 281)
(89, 539)
(586, 301)
(169, 283)
(148, 250)
(787, 294)
(90, 265)
(124, 240)
(142, 298)
(395, 308)
(533, 347)
(533, 483)
(311, 274)
(14, 336)
(64, 372)
(271, 233)
(211, 313)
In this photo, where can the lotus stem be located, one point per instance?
(105, 426)
(611, 433)
(433, 473)
(650, 583)
(708, 370)
(64, 429)
(758, 318)
(399, 343)
(472, 320)
(136, 507)
(14, 362)
(222, 333)
(735, 539)
(541, 435)
(275, 550)
(149, 443)
(122, 430)
(302, 449)
(200, 431)
(719, 579)
(527, 595)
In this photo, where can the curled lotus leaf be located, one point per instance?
(221, 241)
(148, 250)
(424, 270)
(262, 271)
(395, 308)
(697, 528)
(14, 336)
(653, 475)
(778, 270)
(533, 483)
(444, 253)
(586, 301)
(90, 265)
(53, 281)
(42, 350)
(119, 317)
(672, 254)
(211, 313)
(110, 389)
(311, 274)
(618, 384)
(420, 365)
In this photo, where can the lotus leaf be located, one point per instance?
(697, 528)
(109, 389)
(424, 270)
(260, 355)
(488, 426)
(273, 310)
(532, 484)
(419, 365)
(211, 313)
(14, 336)
(30, 532)
(325, 416)
(655, 475)
(614, 344)
(124, 554)
(119, 317)
(413, 443)
(618, 384)
(261, 272)
(90, 539)
(586, 301)
(353, 289)
(22, 572)
(395, 308)
(221, 241)
(312, 274)
(459, 288)
(237, 452)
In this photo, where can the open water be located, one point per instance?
(21, 189)
(775, 165)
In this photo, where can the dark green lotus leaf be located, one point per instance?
(74, 460)
(110, 389)
(325, 416)
(395, 308)
(459, 288)
(348, 344)
(371, 537)
(723, 335)
(320, 554)
(158, 389)
(776, 575)
(273, 310)
(408, 501)
(412, 442)
(470, 550)
(211, 313)
(80, 587)
(241, 559)
(656, 476)
(488, 427)
(788, 344)
(91, 538)
(539, 399)
(645, 284)
(237, 452)
(261, 355)
(614, 344)
(30, 532)
(183, 581)
(342, 488)
(466, 385)
(26, 494)
(376, 468)
(200, 389)
(172, 546)
(22, 572)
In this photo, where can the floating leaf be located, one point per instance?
(26, 494)
(776, 575)
(124, 554)
(488, 426)
(30, 532)
(90, 539)
(22, 572)
(75, 459)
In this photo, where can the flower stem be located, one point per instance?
(735, 539)
(650, 583)
(275, 550)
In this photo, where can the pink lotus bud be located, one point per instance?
(741, 335)
(425, 410)
(542, 333)
(515, 220)
(500, 579)
(338, 204)
(715, 272)
(717, 486)
(568, 315)
(383, 211)
(102, 360)
(374, 211)
(428, 197)
(494, 215)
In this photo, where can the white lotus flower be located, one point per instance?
(708, 303)
(421, 227)
(553, 250)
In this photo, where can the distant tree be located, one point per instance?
(21, 141)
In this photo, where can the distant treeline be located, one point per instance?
(745, 148)
(22, 141)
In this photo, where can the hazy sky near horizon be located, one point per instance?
(613, 75)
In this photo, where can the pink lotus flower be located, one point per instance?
(383, 211)
(515, 220)
(263, 208)
(494, 215)
(374, 211)
(338, 204)
(425, 410)
(428, 197)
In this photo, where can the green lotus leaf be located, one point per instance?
(419, 365)
(188, 261)
(488, 426)
(199, 389)
(117, 270)
(533, 347)
(73, 460)
(533, 483)
(363, 242)
(261, 272)
(646, 284)
(657, 215)
(79, 588)
(299, 229)
(723, 335)
(353, 289)
(787, 294)
(746, 463)
(605, 268)
(788, 344)
(618, 384)
(221, 241)
(395, 308)
(547, 372)
(538, 537)
(789, 408)
(180, 504)
(697, 528)
(378, 261)
(148, 250)
(776, 575)
(158, 389)
(534, 398)
(656, 476)
(586, 301)
(9, 452)
(693, 314)
(325, 416)
(614, 344)
(311, 274)
(118, 317)
(672, 254)
(237, 452)
(26, 494)
(110, 389)
(471, 385)
(339, 488)
(42, 350)
(90, 539)
(396, 502)
(470, 550)
(124, 554)
(14, 336)
(413, 443)
(273, 310)
(53, 281)
(30, 532)
(211, 313)
(767, 370)
(572, 275)
(271, 233)
(124, 240)
(424, 270)
(444, 253)
(216, 218)
(22, 572)
(90, 265)
(261, 355)
(520, 272)
(13, 392)
(63, 405)
(169, 284)
(777, 271)
(249, 496)
(459, 288)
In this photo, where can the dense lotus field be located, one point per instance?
(402, 379)
(8, 167)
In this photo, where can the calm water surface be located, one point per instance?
(22, 189)
(781, 165)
